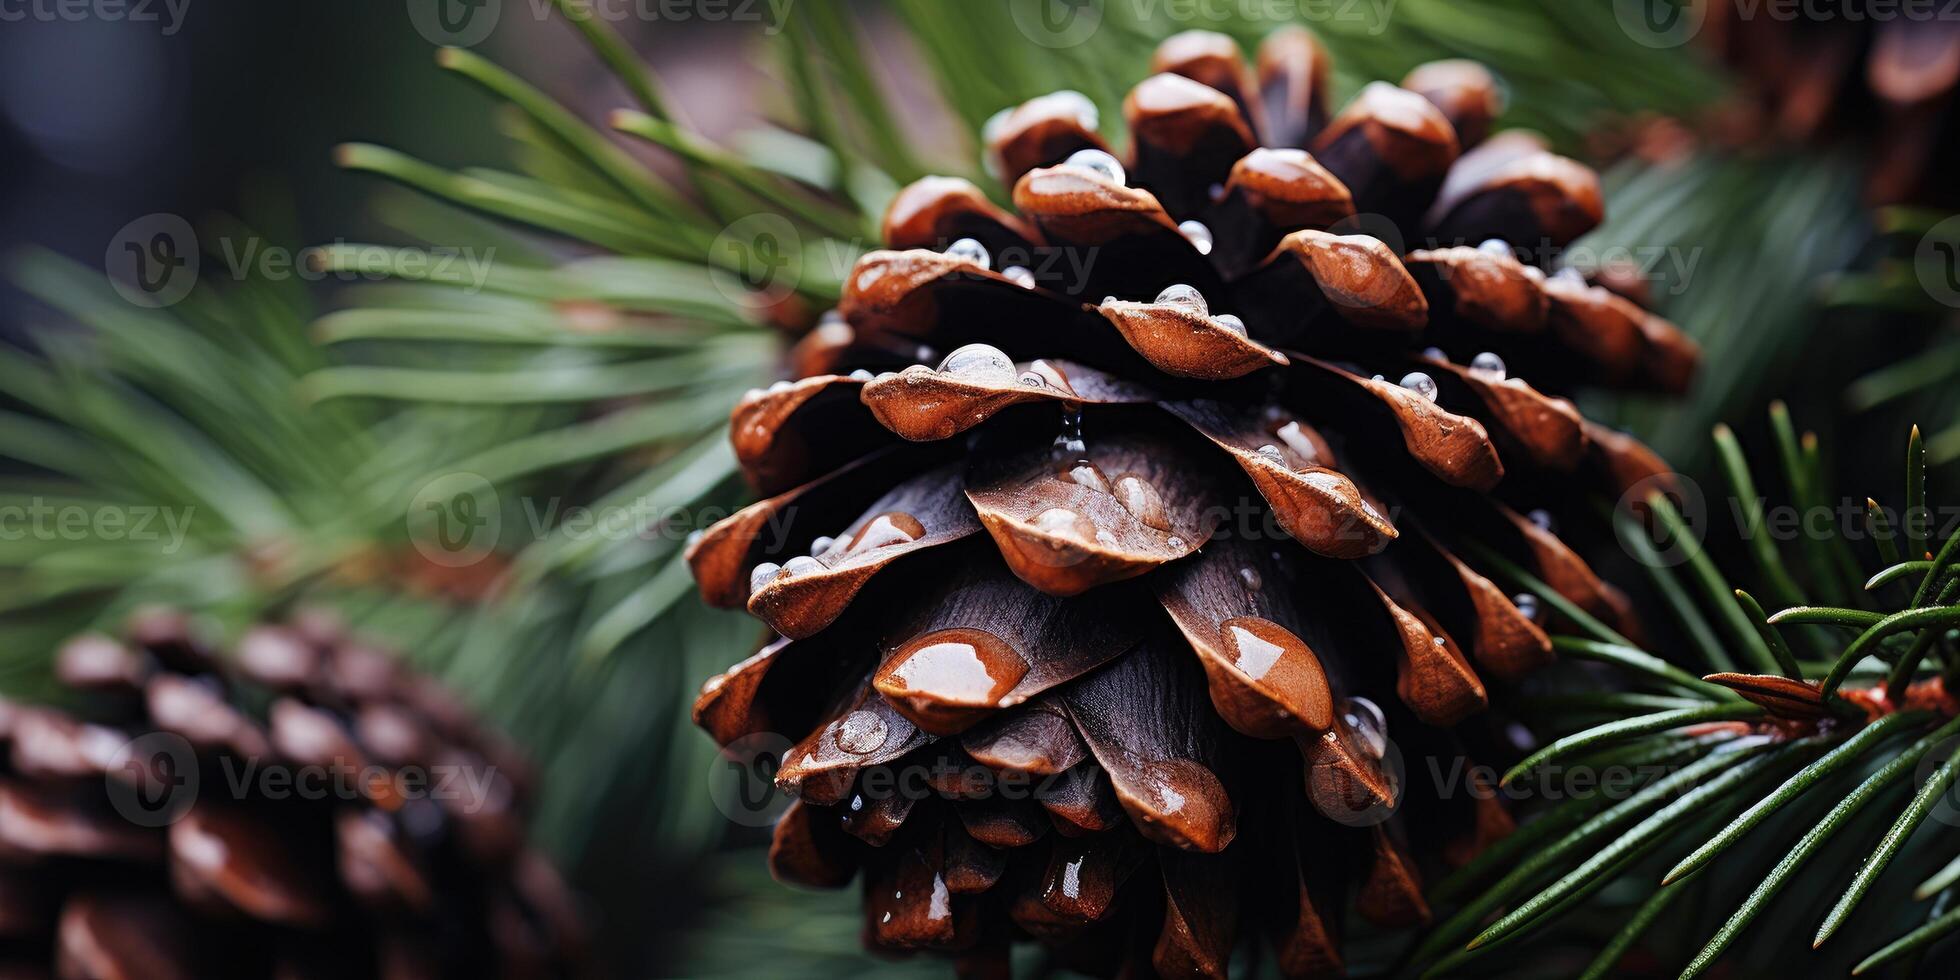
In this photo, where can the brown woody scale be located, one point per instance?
(1146, 606)
(396, 879)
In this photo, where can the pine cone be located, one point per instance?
(1877, 76)
(1110, 630)
(309, 808)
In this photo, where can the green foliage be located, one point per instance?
(1810, 771)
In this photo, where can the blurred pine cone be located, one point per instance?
(1878, 75)
(308, 808)
(1171, 581)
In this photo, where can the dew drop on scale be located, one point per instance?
(1570, 276)
(1488, 366)
(1420, 383)
(1272, 454)
(763, 574)
(1019, 275)
(1184, 297)
(861, 374)
(1541, 517)
(1250, 578)
(1365, 719)
(822, 544)
(979, 364)
(1197, 234)
(1527, 604)
(862, 732)
(1230, 322)
(970, 250)
(1495, 246)
(1100, 162)
(1142, 500)
(801, 565)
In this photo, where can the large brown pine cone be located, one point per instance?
(306, 808)
(1109, 630)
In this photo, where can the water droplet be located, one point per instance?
(1420, 383)
(1184, 297)
(1176, 543)
(1251, 579)
(1527, 604)
(1541, 517)
(1070, 447)
(1100, 162)
(924, 354)
(1216, 192)
(823, 543)
(1142, 500)
(694, 537)
(862, 732)
(763, 574)
(752, 394)
(1086, 474)
(1274, 455)
(1019, 275)
(1534, 273)
(887, 529)
(1495, 246)
(886, 375)
(780, 386)
(1298, 439)
(801, 565)
(1365, 719)
(960, 666)
(1109, 300)
(1230, 322)
(979, 364)
(861, 374)
(1435, 354)
(1570, 276)
(970, 250)
(1380, 378)
(1439, 641)
(1197, 234)
(1487, 366)
(1032, 380)
(1062, 523)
